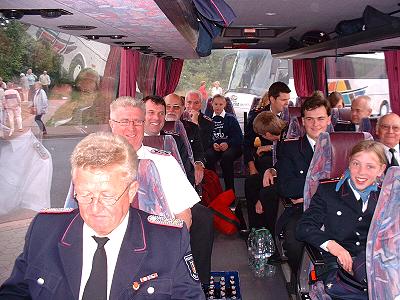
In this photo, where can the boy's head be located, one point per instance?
(218, 104)
(316, 115)
(268, 125)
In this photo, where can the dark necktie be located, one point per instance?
(394, 161)
(96, 286)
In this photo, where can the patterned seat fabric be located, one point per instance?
(383, 243)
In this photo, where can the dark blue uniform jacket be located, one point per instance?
(341, 214)
(53, 252)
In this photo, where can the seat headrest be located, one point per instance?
(342, 143)
(345, 114)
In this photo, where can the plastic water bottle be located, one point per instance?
(260, 247)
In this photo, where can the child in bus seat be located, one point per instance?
(227, 141)
(262, 210)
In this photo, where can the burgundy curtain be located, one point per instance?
(392, 61)
(147, 70)
(128, 72)
(321, 82)
(173, 76)
(303, 77)
(161, 77)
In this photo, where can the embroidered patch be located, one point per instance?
(56, 210)
(191, 267)
(160, 220)
(160, 152)
(149, 277)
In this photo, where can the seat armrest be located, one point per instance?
(315, 255)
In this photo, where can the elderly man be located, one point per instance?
(175, 106)
(127, 117)
(360, 108)
(388, 131)
(45, 81)
(193, 112)
(106, 249)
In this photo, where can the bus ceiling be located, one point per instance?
(170, 28)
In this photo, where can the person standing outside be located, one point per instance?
(23, 81)
(12, 105)
(40, 105)
(216, 89)
(45, 81)
(31, 82)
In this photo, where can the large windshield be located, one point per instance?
(251, 72)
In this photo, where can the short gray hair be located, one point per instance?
(100, 150)
(126, 101)
(194, 92)
(367, 100)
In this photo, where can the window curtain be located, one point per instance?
(303, 77)
(320, 81)
(128, 72)
(161, 77)
(174, 74)
(392, 61)
(147, 72)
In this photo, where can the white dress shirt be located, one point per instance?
(389, 154)
(112, 248)
(26, 170)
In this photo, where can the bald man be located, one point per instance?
(360, 108)
(388, 131)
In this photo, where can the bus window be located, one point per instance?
(360, 74)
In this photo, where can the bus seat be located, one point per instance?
(150, 196)
(294, 111)
(178, 127)
(368, 125)
(345, 114)
(383, 242)
(254, 104)
(328, 159)
(295, 128)
(164, 142)
(334, 116)
(229, 107)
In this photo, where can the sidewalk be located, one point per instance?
(12, 239)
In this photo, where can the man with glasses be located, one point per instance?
(388, 131)
(106, 249)
(127, 117)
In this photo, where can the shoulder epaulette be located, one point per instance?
(171, 132)
(56, 210)
(328, 180)
(207, 118)
(291, 139)
(160, 152)
(160, 220)
(41, 150)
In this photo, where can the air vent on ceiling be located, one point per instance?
(76, 27)
(256, 32)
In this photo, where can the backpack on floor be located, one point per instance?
(225, 220)
(211, 187)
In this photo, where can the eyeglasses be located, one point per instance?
(104, 200)
(387, 127)
(174, 107)
(126, 123)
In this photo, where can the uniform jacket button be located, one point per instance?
(150, 290)
(40, 281)
(357, 233)
(339, 213)
(360, 219)
(358, 243)
(301, 171)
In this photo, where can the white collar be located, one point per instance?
(221, 115)
(356, 194)
(117, 234)
(395, 148)
(312, 142)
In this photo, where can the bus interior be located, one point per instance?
(90, 45)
